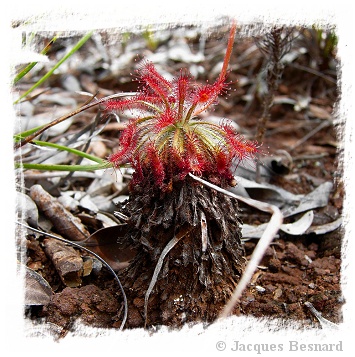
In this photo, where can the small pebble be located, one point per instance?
(277, 293)
(260, 289)
(309, 260)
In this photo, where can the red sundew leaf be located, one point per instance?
(182, 83)
(121, 157)
(192, 141)
(181, 162)
(223, 161)
(164, 119)
(193, 145)
(141, 101)
(226, 125)
(198, 156)
(153, 105)
(207, 95)
(242, 148)
(116, 157)
(148, 68)
(128, 134)
(155, 163)
(118, 104)
(155, 86)
(197, 165)
(154, 81)
(127, 143)
(147, 102)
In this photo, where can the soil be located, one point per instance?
(294, 270)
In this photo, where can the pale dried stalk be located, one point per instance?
(265, 240)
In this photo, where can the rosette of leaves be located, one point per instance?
(187, 236)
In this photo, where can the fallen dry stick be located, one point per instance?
(65, 223)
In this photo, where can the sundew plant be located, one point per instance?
(186, 235)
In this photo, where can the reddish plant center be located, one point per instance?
(167, 140)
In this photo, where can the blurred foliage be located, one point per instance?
(321, 45)
(151, 42)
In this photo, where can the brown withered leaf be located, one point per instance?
(317, 198)
(105, 242)
(298, 227)
(325, 228)
(37, 289)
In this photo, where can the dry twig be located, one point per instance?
(65, 223)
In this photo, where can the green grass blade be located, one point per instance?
(31, 65)
(45, 167)
(71, 150)
(18, 137)
(49, 73)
